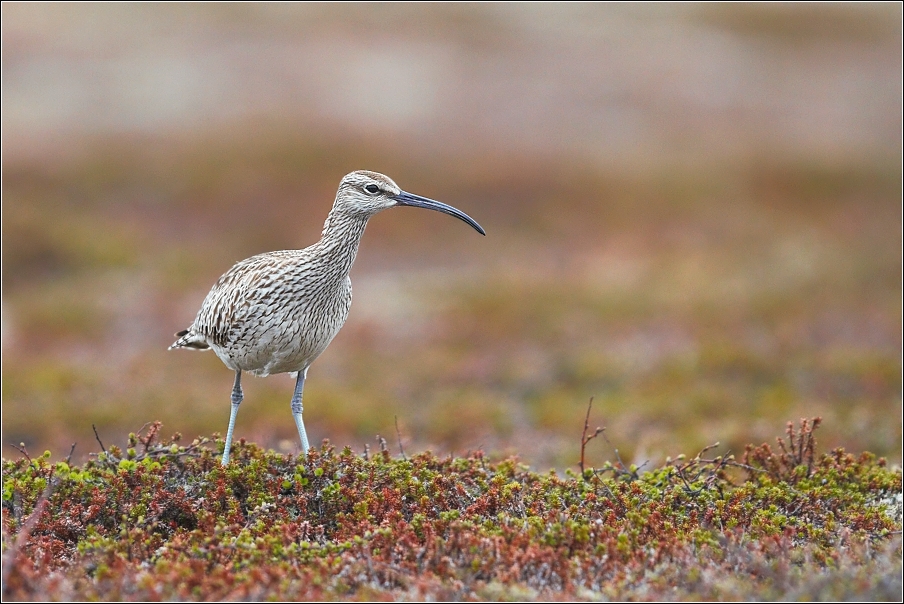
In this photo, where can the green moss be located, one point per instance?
(170, 521)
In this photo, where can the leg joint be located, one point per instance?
(237, 395)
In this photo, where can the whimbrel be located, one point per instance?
(277, 312)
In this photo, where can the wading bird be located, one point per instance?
(277, 312)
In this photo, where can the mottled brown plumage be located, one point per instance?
(277, 312)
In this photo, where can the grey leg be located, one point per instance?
(237, 397)
(298, 408)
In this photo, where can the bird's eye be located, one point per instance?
(372, 189)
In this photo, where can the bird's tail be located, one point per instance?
(190, 339)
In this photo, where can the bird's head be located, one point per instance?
(364, 193)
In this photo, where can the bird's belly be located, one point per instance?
(286, 343)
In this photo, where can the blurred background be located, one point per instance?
(693, 215)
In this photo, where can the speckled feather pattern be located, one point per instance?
(277, 312)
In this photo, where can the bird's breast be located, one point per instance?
(273, 331)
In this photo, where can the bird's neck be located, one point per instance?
(339, 242)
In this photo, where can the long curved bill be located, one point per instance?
(416, 201)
